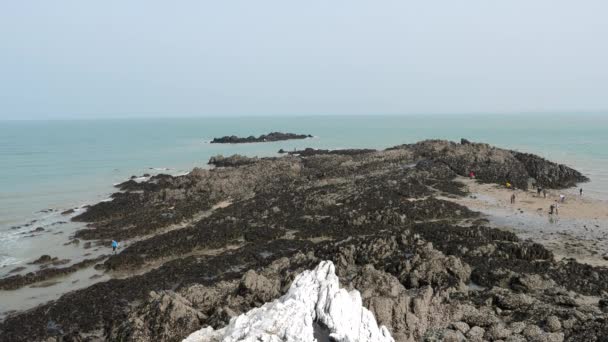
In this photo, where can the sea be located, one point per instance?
(47, 167)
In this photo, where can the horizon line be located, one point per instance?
(244, 116)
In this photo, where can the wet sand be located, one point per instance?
(579, 231)
(30, 296)
(57, 245)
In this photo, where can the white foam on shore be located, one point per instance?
(7, 260)
(20, 237)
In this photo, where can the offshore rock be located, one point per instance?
(274, 136)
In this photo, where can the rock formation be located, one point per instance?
(215, 244)
(231, 161)
(313, 309)
(274, 136)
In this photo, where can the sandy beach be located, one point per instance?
(579, 230)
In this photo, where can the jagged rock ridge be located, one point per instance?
(314, 308)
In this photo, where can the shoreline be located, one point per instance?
(579, 231)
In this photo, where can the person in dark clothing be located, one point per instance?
(551, 208)
(581, 192)
(512, 198)
(538, 190)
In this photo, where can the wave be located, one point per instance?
(8, 236)
(7, 260)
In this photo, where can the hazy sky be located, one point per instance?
(254, 57)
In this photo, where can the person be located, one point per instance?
(472, 175)
(581, 192)
(551, 208)
(545, 193)
(538, 190)
(512, 198)
(114, 246)
(508, 185)
(562, 198)
(556, 208)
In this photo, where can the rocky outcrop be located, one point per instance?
(44, 259)
(274, 136)
(307, 152)
(217, 243)
(549, 174)
(164, 317)
(313, 309)
(235, 160)
(495, 165)
(18, 280)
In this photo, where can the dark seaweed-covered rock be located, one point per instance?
(16, 281)
(67, 212)
(17, 269)
(232, 161)
(549, 174)
(274, 136)
(307, 152)
(495, 165)
(43, 259)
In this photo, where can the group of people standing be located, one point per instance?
(554, 207)
(540, 190)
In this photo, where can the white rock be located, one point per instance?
(314, 298)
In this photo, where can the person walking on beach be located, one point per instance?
(512, 198)
(562, 198)
(581, 192)
(545, 193)
(114, 246)
(538, 190)
(551, 208)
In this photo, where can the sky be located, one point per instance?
(149, 58)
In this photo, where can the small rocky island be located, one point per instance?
(387, 229)
(273, 136)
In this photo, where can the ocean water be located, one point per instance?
(66, 164)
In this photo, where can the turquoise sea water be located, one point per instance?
(65, 164)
